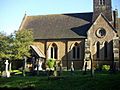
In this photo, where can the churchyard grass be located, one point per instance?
(70, 81)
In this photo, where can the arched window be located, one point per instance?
(101, 2)
(98, 50)
(54, 51)
(76, 51)
(105, 50)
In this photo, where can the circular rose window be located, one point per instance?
(101, 32)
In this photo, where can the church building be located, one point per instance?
(77, 37)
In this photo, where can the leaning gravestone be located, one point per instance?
(6, 73)
(59, 69)
(72, 68)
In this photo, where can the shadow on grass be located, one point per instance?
(7, 88)
(67, 81)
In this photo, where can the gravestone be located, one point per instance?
(60, 69)
(55, 69)
(40, 62)
(40, 65)
(6, 73)
(72, 68)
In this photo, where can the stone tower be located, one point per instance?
(104, 7)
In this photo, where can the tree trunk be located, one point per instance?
(24, 66)
(85, 72)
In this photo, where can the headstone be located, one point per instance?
(6, 65)
(85, 68)
(60, 69)
(6, 73)
(39, 65)
(10, 64)
(55, 69)
(33, 63)
(72, 67)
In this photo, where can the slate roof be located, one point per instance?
(59, 26)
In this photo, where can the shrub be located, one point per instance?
(106, 67)
(98, 68)
(51, 63)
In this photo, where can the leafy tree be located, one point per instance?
(50, 63)
(5, 49)
(51, 67)
(3, 45)
(15, 46)
(22, 42)
(2, 49)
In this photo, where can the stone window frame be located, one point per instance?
(101, 32)
(101, 2)
(105, 49)
(76, 51)
(98, 50)
(53, 51)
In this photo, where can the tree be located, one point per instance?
(5, 49)
(22, 42)
(3, 41)
(16, 46)
(3, 45)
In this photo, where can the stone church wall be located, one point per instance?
(64, 51)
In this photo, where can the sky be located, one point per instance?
(13, 11)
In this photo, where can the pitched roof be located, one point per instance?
(74, 25)
(37, 51)
(107, 21)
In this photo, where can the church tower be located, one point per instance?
(104, 7)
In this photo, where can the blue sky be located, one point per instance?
(12, 11)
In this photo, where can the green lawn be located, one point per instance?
(77, 81)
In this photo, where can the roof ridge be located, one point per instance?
(59, 26)
(59, 14)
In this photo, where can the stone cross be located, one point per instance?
(6, 73)
(6, 65)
